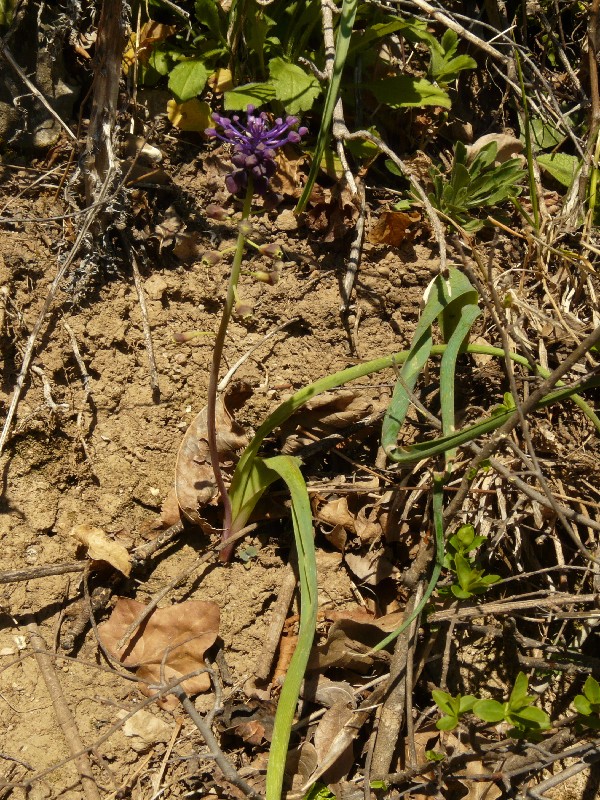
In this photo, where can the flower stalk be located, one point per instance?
(254, 150)
(211, 406)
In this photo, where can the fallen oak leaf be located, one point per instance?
(394, 227)
(101, 548)
(333, 749)
(195, 483)
(170, 643)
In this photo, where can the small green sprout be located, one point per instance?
(588, 703)
(527, 720)
(470, 578)
(453, 708)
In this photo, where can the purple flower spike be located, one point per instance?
(254, 146)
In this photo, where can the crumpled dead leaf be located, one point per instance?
(332, 749)
(169, 644)
(372, 567)
(101, 548)
(300, 764)
(286, 180)
(194, 478)
(394, 227)
(145, 730)
(324, 414)
(151, 33)
(348, 646)
(332, 212)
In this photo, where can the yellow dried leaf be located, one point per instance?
(221, 80)
(193, 115)
(101, 548)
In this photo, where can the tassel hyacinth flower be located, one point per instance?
(254, 145)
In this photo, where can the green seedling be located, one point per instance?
(588, 703)
(527, 720)
(453, 708)
(475, 185)
(471, 579)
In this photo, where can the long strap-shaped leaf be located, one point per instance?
(445, 300)
(243, 486)
(456, 344)
(418, 452)
(286, 467)
(342, 44)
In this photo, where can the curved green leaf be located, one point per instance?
(188, 79)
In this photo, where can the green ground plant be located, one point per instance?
(518, 711)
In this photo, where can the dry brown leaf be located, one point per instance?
(300, 764)
(332, 212)
(169, 644)
(394, 227)
(337, 537)
(371, 568)
(329, 412)
(150, 34)
(335, 512)
(508, 146)
(332, 749)
(370, 523)
(286, 180)
(325, 692)
(101, 548)
(194, 478)
(145, 730)
(348, 646)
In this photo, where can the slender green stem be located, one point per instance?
(528, 146)
(213, 380)
(438, 525)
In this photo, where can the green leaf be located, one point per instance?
(443, 700)
(287, 468)
(188, 79)
(255, 94)
(207, 13)
(464, 572)
(518, 696)
(446, 723)
(460, 594)
(294, 88)
(561, 166)
(591, 689)
(544, 135)
(160, 60)
(489, 710)
(466, 703)
(532, 716)
(465, 535)
(582, 705)
(432, 755)
(407, 91)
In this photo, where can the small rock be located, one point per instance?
(287, 221)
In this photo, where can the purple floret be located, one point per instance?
(254, 144)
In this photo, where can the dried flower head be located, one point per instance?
(254, 148)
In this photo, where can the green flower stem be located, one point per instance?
(213, 380)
